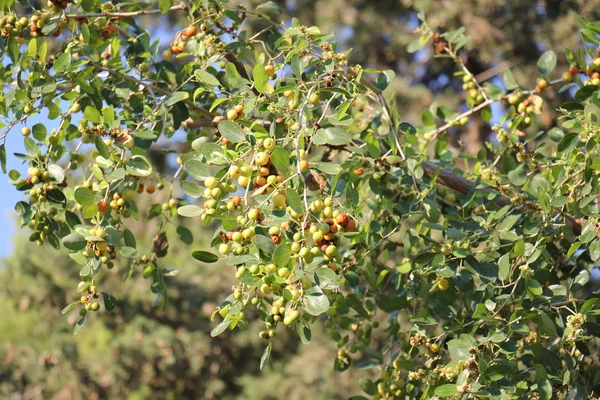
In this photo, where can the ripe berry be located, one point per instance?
(191, 30)
(341, 219)
(26, 131)
(270, 70)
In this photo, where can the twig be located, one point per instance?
(125, 14)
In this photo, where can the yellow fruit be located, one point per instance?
(253, 214)
(26, 131)
(279, 200)
(262, 158)
(443, 284)
(232, 115)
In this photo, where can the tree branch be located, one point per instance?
(125, 14)
(462, 185)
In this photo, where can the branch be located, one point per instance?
(462, 185)
(125, 14)
(473, 110)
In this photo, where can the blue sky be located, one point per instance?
(8, 194)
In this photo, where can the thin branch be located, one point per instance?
(176, 7)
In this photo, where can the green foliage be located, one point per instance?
(327, 204)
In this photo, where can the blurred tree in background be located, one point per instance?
(143, 352)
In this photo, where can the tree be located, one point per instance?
(326, 202)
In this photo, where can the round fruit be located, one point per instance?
(262, 158)
(211, 182)
(232, 115)
(313, 99)
(26, 131)
(191, 30)
(224, 249)
(270, 70)
(269, 143)
(443, 284)
(279, 200)
(75, 108)
(253, 214)
(303, 165)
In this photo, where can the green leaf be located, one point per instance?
(192, 189)
(383, 79)
(102, 147)
(509, 80)
(128, 252)
(417, 44)
(92, 115)
(62, 62)
(446, 390)
(190, 210)
(280, 158)
(568, 143)
(496, 372)
(534, 287)
(84, 196)
(293, 200)
(544, 385)
(207, 78)
(334, 136)
(74, 241)
(185, 235)
(508, 222)
(78, 325)
(205, 257)
(109, 301)
(70, 307)
(231, 131)
(30, 146)
(176, 98)
(217, 330)
(266, 355)
(260, 78)
(282, 255)
(165, 5)
(546, 62)
(459, 350)
(518, 176)
(197, 169)
(138, 165)
(326, 278)
(3, 157)
(504, 267)
(32, 47)
(368, 386)
(315, 301)
(328, 168)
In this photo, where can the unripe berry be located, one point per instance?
(211, 182)
(261, 158)
(253, 214)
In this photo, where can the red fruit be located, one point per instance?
(350, 226)
(341, 219)
(102, 207)
(573, 70)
